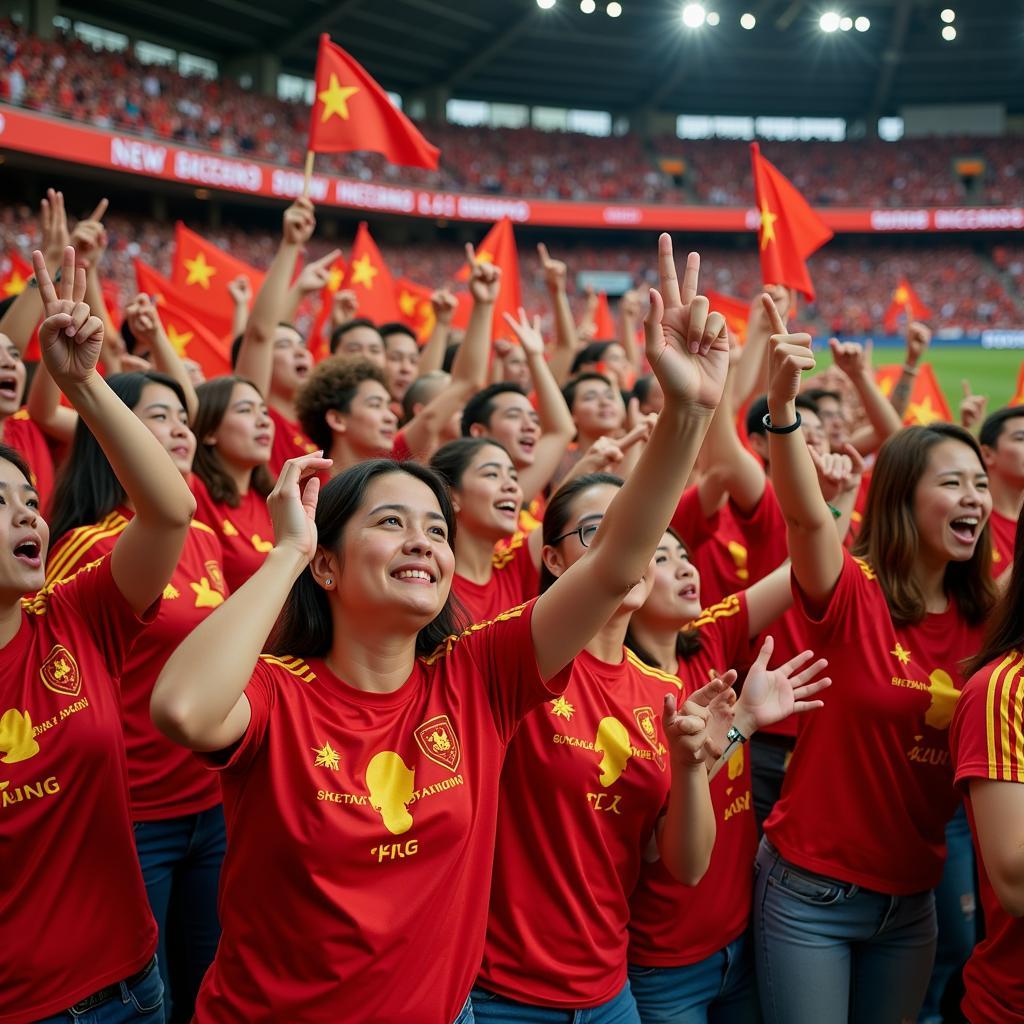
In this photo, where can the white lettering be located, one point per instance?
(491, 208)
(290, 184)
(137, 156)
(374, 197)
(900, 220)
(622, 215)
(979, 219)
(213, 170)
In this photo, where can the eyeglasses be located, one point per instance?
(585, 533)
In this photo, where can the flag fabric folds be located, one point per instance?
(905, 302)
(927, 402)
(368, 276)
(499, 248)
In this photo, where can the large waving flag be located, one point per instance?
(790, 230)
(905, 302)
(352, 112)
(927, 402)
(499, 248)
(368, 276)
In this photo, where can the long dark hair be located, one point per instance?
(214, 400)
(889, 540)
(17, 460)
(451, 460)
(559, 510)
(87, 489)
(305, 628)
(1006, 630)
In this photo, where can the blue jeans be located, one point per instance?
(144, 1002)
(830, 952)
(488, 1006)
(466, 1014)
(956, 907)
(721, 989)
(181, 859)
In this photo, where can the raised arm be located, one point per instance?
(256, 357)
(750, 376)
(919, 337)
(883, 420)
(70, 340)
(313, 277)
(240, 290)
(199, 699)
(566, 343)
(688, 348)
(144, 320)
(630, 317)
(43, 405)
(444, 304)
(814, 548)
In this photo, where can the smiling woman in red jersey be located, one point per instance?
(83, 947)
(234, 434)
(360, 761)
(844, 914)
(987, 743)
(487, 500)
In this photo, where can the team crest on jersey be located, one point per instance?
(216, 576)
(60, 672)
(649, 729)
(436, 738)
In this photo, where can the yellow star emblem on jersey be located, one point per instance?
(206, 596)
(900, 653)
(326, 757)
(363, 272)
(335, 99)
(768, 220)
(179, 339)
(561, 708)
(199, 271)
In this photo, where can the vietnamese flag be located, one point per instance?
(352, 112)
(927, 402)
(15, 276)
(318, 344)
(735, 311)
(191, 338)
(499, 247)
(202, 272)
(368, 276)
(1018, 395)
(790, 230)
(415, 308)
(604, 324)
(905, 301)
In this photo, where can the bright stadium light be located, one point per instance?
(694, 15)
(862, 24)
(713, 18)
(845, 24)
(614, 9)
(829, 21)
(748, 21)
(948, 15)
(545, 5)
(588, 6)
(948, 33)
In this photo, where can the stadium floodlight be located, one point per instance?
(845, 24)
(948, 33)
(614, 9)
(948, 15)
(862, 24)
(713, 18)
(545, 5)
(694, 15)
(588, 6)
(829, 21)
(748, 21)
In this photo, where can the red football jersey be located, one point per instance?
(1004, 532)
(585, 781)
(73, 910)
(367, 821)
(514, 579)
(22, 434)
(246, 533)
(874, 761)
(164, 779)
(987, 742)
(289, 441)
(689, 521)
(670, 924)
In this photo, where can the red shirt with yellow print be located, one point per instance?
(246, 533)
(514, 579)
(585, 781)
(1003, 530)
(73, 910)
(21, 433)
(289, 441)
(874, 763)
(370, 818)
(670, 924)
(987, 742)
(164, 779)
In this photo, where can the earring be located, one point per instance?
(329, 582)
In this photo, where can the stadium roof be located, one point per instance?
(513, 51)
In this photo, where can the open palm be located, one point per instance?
(770, 695)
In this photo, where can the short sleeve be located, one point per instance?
(856, 591)
(516, 564)
(261, 693)
(689, 520)
(724, 630)
(986, 736)
(764, 529)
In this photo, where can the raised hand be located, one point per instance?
(484, 278)
(555, 271)
(240, 290)
(90, 238)
(445, 303)
(70, 338)
(687, 344)
(292, 504)
(759, 321)
(851, 357)
(299, 222)
(789, 357)
(972, 407)
(53, 220)
(142, 318)
(631, 307)
(528, 334)
(857, 469)
(315, 276)
(919, 337)
(344, 307)
(686, 728)
(834, 469)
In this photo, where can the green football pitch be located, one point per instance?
(991, 372)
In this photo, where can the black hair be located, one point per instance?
(995, 423)
(5, 304)
(449, 356)
(556, 514)
(414, 392)
(341, 330)
(236, 344)
(572, 386)
(451, 460)
(758, 409)
(642, 387)
(87, 489)
(17, 460)
(305, 627)
(817, 394)
(480, 408)
(590, 353)
(396, 327)
(332, 385)
(1005, 632)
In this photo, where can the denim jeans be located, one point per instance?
(143, 1002)
(720, 989)
(956, 908)
(466, 1014)
(487, 1006)
(829, 952)
(769, 758)
(181, 859)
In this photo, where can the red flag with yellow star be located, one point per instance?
(499, 247)
(790, 230)
(15, 275)
(202, 272)
(318, 344)
(368, 276)
(415, 308)
(191, 338)
(927, 402)
(735, 311)
(905, 302)
(352, 112)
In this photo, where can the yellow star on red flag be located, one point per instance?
(335, 99)
(179, 339)
(15, 284)
(407, 302)
(199, 271)
(768, 220)
(363, 272)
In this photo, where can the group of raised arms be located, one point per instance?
(640, 680)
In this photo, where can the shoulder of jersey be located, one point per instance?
(203, 528)
(293, 666)
(21, 415)
(869, 573)
(75, 545)
(651, 672)
(724, 609)
(38, 603)
(504, 555)
(447, 645)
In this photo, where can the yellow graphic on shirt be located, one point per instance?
(901, 653)
(649, 730)
(734, 766)
(206, 596)
(228, 528)
(59, 672)
(612, 743)
(326, 757)
(260, 544)
(944, 697)
(437, 739)
(212, 566)
(391, 784)
(739, 555)
(171, 592)
(16, 740)
(561, 708)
